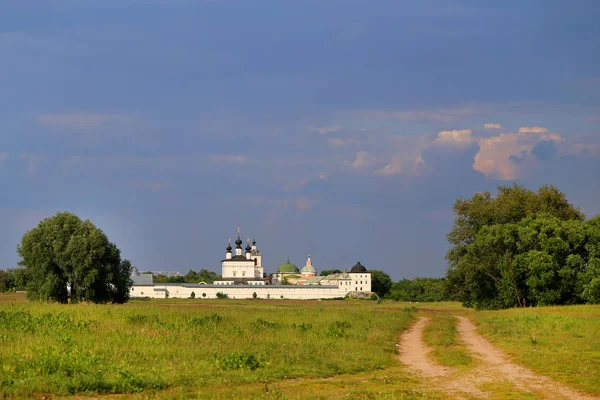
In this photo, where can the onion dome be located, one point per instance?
(248, 248)
(309, 269)
(229, 245)
(358, 268)
(288, 267)
(238, 243)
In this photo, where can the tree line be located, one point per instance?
(192, 276)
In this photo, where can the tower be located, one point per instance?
(238, 242)
(248, 250)
(228, 253)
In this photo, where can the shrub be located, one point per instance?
(254, 295)
(374, 296)
(193, 295)
(221, 295)
(203, 294)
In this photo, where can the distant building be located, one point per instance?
(243, 277)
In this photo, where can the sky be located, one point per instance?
(343, 128)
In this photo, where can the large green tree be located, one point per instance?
(66, 258)
(381, 283)
(522, 248)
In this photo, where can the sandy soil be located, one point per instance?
(491, 366)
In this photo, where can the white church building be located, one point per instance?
(242, 276)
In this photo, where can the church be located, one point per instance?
(243, 276)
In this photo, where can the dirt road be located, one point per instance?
(491, 368)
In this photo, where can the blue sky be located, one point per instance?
(343, 128)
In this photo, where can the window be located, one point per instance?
(243, 273)
(360, 288)
(234, 273)
(355, 288)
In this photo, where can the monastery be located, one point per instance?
(243, 276)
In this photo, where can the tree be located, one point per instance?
(327, 272)
(66, 258)
(521, 248)
(381, 283)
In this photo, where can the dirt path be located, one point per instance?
(491, 367)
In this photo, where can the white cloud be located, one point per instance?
(533, 129)
(393, 168)
(497, 155)
(363, 160)
(492, 126)
(455, 136)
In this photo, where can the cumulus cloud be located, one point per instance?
(393, 168)
(456, 137)
(532, 129)
(363, 160)
(492, 126)
(504, 156)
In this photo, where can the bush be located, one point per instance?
(193, 295)
(374, 296)
(221, 295)
(203, 294)
(254, 295)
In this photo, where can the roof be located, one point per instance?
(308, 269)
(358, 268)
(141, 279)
(238, 258)
(288, 267)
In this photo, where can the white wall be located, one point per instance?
(240, 291)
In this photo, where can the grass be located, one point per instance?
(166, 345)
(442, 336)
(559, 342)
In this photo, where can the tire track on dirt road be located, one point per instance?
(492, 366)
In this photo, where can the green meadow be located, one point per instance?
(279, 349)
(151, 346)
(560, 342)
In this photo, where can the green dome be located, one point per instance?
(288, 268)
(309, 269)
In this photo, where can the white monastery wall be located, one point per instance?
(158, 291)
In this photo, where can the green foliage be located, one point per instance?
(420, 289)
(221, 295)
(67, 259)
(85, 350)
(191, 277)
(381, 283)
(193, 295)
(254, 295)
(522, 248)
(12, 280)
(441, 334)
(327, 272)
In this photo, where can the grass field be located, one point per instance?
(161, 345)
(227, 349)
(560, 342)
